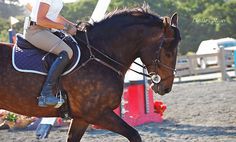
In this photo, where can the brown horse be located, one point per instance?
(94, 89)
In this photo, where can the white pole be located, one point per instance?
(99, 10)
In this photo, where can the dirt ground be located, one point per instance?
(196, 112)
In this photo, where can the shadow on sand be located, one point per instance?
(170, 127)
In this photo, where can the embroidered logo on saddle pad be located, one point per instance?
(27, 58)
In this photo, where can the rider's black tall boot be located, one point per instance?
(47, 97)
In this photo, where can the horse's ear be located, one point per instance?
(174, 20)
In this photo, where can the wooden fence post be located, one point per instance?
(191, 67)
(235, 62)
(221, 59)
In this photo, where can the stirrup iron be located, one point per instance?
(61, 100)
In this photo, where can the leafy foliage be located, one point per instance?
(4, 26)
(7, 10)
(11, 117)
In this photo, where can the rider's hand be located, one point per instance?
(70, 29)
(73, 30)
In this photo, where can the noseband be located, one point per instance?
(155, 77)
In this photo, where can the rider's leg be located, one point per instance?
(47, 41)
(39, 36)
(47, 96)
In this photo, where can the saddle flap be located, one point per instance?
(21, 42)
(28, 58)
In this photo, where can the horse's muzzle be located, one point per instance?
(158, 88)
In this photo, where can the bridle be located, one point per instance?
(157, 62)
(152, 75)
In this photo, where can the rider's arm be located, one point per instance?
(60, 24)
(42, 19)
(69, 26)
(63, 20)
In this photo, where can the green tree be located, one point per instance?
(7, 10)
(198, 20)
(14, 1)
(81, 10)
(4, 26)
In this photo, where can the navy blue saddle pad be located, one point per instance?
(27, 58)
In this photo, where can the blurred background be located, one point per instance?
(201, 111)
(198, 20)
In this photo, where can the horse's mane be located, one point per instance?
(142, 12)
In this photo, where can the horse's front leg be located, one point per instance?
(111, 121)
(76, 130)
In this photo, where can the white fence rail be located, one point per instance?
(190, 65)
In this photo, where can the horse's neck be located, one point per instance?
(121, 46)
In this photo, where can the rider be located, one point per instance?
(45, 15)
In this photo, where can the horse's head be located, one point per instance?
(127, 34)
(160, 53)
